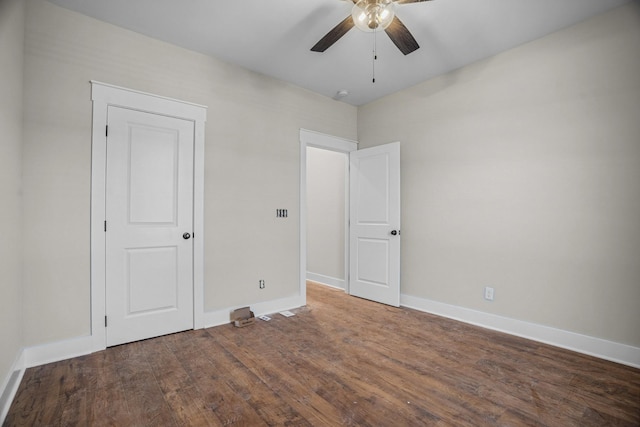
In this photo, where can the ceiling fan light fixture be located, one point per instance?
(373, 15)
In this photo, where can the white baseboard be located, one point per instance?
(66, 349)
(56, 351)
(10, 386)
(221, 317)
(603, 349)
(327, 280)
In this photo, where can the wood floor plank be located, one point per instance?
(145, 400)
(388, 354)
(229, 407)
(281, 378)
(179, 392)
(106, 401)
(349, 371)
(340, 361)
(323, 381)
(36, 397)
(266, 403)
(388, 369)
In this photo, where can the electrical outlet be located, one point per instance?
(261, 284)
(488, 293)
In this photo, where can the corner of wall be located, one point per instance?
(10, 385)
(13, 24)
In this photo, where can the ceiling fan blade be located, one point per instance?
(334, 35)
(401, 37)
(409, 1)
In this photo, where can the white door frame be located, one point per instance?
(103, 95)
(310, 138)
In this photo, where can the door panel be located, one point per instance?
(152, 280)
(154, 175)
(374, 217)
(149, 205)
(373, 190)
(373, 273)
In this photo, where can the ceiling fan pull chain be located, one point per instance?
(375, 56)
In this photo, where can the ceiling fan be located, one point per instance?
(373, 15)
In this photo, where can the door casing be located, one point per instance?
(103, 95)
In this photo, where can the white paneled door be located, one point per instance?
(375, 224)
(149, 225)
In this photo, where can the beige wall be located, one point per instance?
(522, 172)
(519, 172)
(11, 66)
(251, 164)
(326, 212)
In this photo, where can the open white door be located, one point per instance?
(149, 225)
(375, 224)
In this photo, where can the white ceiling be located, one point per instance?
(274, 37)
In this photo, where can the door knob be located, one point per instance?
(395, 232)
(186, 236)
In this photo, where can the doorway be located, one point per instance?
(310, 139)
(372, 226)
(327, 216)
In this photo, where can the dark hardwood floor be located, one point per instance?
(340, 361)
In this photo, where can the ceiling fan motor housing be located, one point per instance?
(371, 15)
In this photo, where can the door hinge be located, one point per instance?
(105, 226)
(105, 321)
(106, 130)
